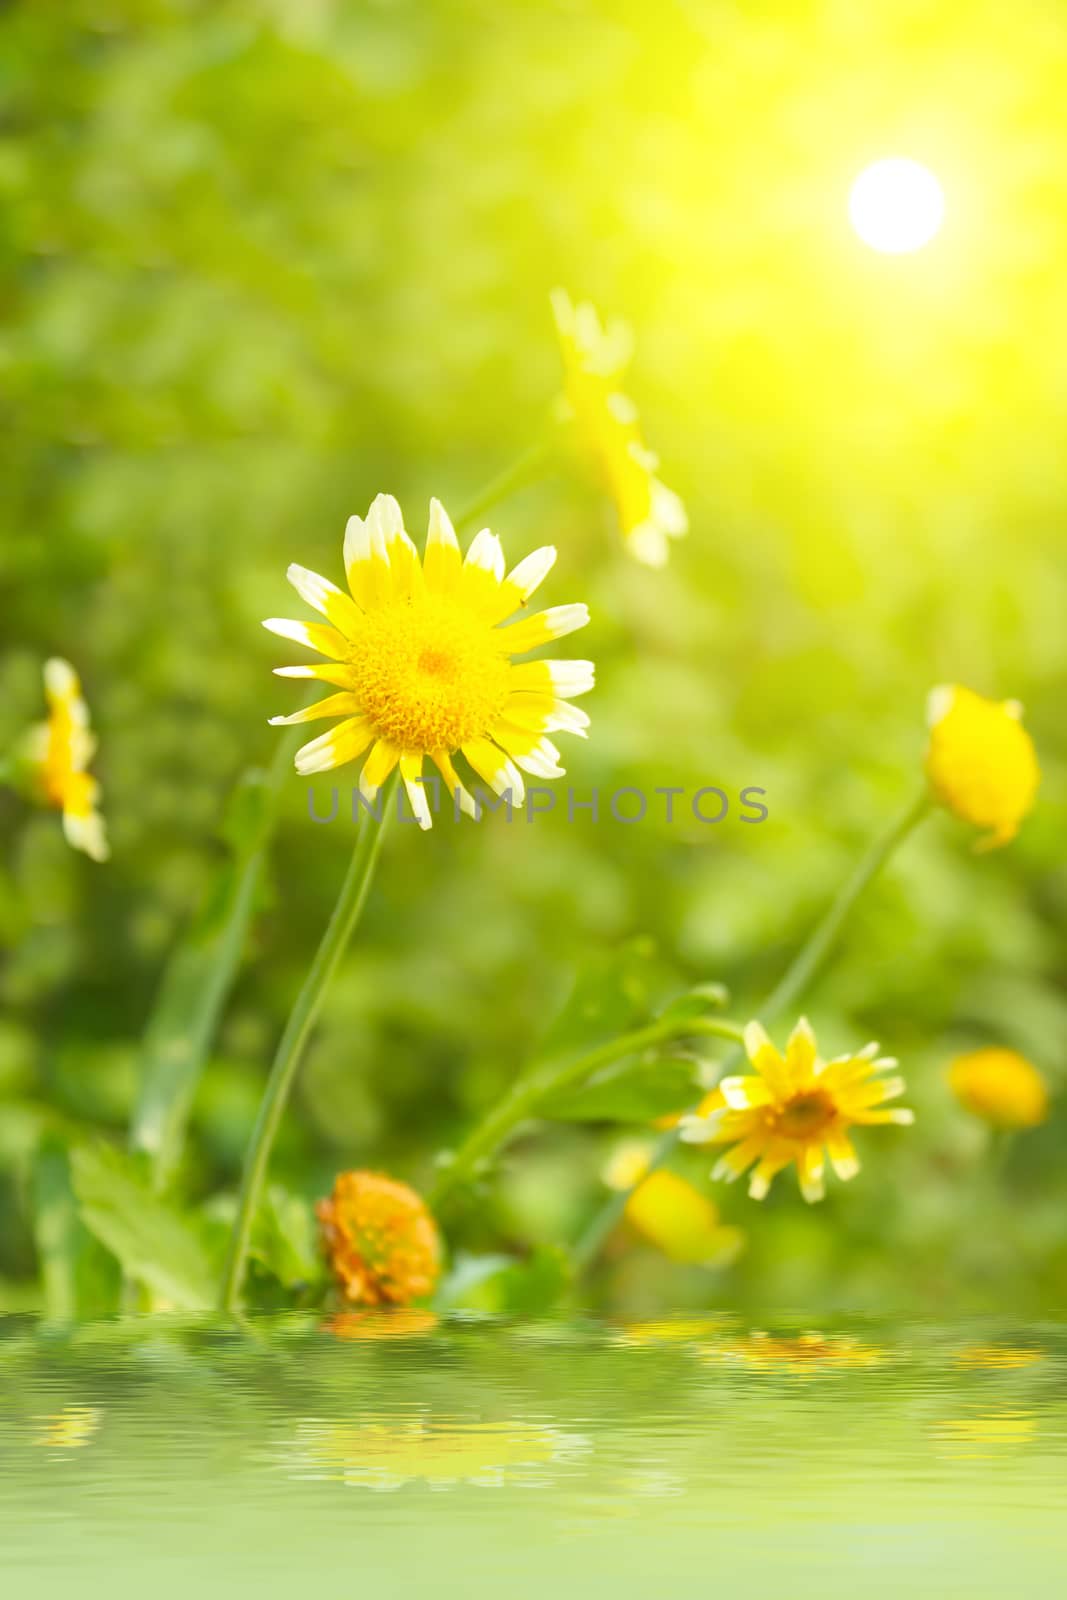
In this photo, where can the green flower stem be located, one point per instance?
(522, 471)
(531, 1091)
(794, 982)
(345, 915)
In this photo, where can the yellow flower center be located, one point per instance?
(430, 675)
(805, 1116)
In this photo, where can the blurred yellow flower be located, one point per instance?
(595, 360)
(981, 762)
(792, 1109)
(381, 1240)
(670, 1213)
(58, 753)
(1001, 1087)
(423, 663)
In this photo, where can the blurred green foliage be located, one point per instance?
(263, 260)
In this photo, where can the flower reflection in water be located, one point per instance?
(398, 1322)
(69, 1429)
(980, 1437)
(998, 1357)
(801, 1354)
(386, 1455)
(670, 1330)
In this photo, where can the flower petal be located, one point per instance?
(326, 672)
(411, 776)
(366, 562)
(386, 520)
(842, 1155)
(335, 748)
(767, 1061)
(811, 1169)
(326, 641)
(543, 627)
(777, 1156)
(801, 1054)
(537, 756)
(496, 769)
(442, 562)
(377, 767)
(338, 608)
(562, 679)
(456, 789)
(737, 1160)
(745, 1094)
(543, 713)
(523, 579)
(344, 704)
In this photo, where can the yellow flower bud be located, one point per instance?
(981, 762)
(1001, 1087)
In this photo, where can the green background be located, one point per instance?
(263, 261)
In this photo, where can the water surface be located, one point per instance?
(399, 1456)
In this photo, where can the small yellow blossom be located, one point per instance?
(380, 1239)
(1001, 1087)
(793, 1109)
(420, 652)
(595, 360)
(980, 762)
(58, 753)
(670, 1213)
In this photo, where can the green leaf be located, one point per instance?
(285, 1238)
(80, 1278)
(155, 1244)
(629, 1091)
(612, 994)
(200, 975)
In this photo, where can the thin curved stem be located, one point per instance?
(525, 469)
(534, 1088)
(346, 913)
(793, 983)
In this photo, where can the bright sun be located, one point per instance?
(896, 205)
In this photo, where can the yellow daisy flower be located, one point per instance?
(58, 754)
(795, 1108)
(422, 659)
(381, 1241)
(1001, 1087)
(981, 762)
(595, 360)
(670, 1213)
